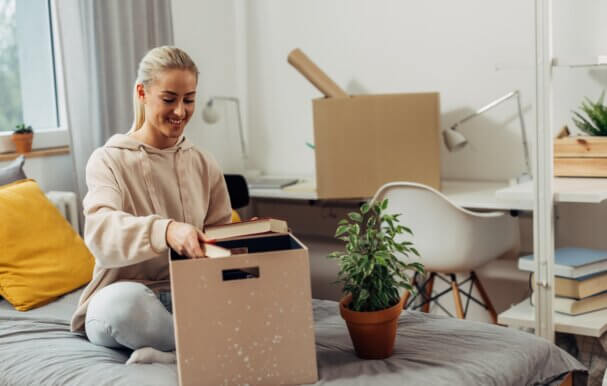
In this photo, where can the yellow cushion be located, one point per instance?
(41, 256)
(235, 216)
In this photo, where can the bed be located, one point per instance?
(37, 348)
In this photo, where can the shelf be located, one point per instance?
(574, 62)
(36, 153)
(523, 315)
(566, 189)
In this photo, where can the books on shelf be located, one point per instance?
(581, 287)
(573, 307)
(571, 263)
(246, 228)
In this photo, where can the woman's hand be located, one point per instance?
(186, 239)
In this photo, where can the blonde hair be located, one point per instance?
(155, 61)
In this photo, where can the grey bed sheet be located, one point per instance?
(36, 348)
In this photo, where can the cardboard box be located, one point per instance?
(247, 318)
(581, 156)
(363, 142)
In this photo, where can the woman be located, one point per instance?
(148, 190)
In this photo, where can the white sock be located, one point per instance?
(151, 355)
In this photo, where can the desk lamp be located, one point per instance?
(211, 116)
(455, 140)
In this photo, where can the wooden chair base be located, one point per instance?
(425, 291)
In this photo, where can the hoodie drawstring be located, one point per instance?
(147, 177)
(181, 174)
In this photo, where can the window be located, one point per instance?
(27, 73)
(11, 111)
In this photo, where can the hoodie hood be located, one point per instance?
(123, 141)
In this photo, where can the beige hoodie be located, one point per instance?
(134, 191)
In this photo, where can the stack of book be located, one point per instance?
(580, 282)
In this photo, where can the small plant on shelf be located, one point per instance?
(22, 138)
(596, 121)
(23, 129)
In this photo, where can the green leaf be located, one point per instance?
(355, 217)
(341, 230)
(364, 209)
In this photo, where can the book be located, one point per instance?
(213, 251)
(270, 182)
(579, 288)
(571, 263)
(246, 228)
(573, 307)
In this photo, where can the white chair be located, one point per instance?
(450, 240)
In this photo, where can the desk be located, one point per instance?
(477, 194)
(467, 194)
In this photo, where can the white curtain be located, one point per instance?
(100, 45)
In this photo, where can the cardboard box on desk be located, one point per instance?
(247, 318)
(365, 141)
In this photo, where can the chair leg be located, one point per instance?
(429, 286)
(484, 296)
(406, 295)
(459, 311)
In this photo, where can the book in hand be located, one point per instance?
(571, 263)
(213, 251)
(579, 288)
(578, 306)
(246, 228)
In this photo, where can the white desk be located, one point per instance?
(477, 194)
(467, 194)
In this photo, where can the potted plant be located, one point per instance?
(596, 123)
(22, 138)
(373, 272)
(583, 155)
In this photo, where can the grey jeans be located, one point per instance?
(129, 314)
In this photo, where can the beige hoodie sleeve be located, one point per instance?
(117, 238)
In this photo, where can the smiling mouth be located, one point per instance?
(175, 122)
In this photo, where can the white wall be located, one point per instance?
(471, 51)
(367, 47)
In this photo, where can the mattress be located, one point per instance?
(37, 348)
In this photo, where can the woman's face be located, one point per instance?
(169, 103)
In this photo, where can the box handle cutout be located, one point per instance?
(240, 273)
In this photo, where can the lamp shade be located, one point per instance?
(454, 140)
(210, 114)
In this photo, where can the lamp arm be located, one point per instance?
(487, 107)
(496, 102)
(523, 133)
(243, 146)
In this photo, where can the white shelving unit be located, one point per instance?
(590, 324)
(548, 190)
(575, 62)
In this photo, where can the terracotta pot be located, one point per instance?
(372, 333)
(23, 142)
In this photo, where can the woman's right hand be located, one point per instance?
(185, 239)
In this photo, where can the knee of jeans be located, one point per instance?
(117, 304)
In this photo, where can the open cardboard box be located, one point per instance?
(365, 141)
(247, 318)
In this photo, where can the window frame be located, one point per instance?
(54, 136)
